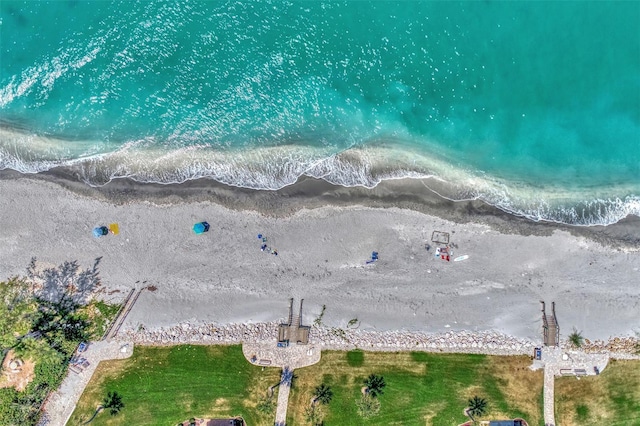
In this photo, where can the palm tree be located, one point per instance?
(375, 385)
(323, 394)
(575, 338)
(477, 407)
(113, 401)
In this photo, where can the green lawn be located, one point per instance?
(612, 398)
(165, 385)
(422, 388)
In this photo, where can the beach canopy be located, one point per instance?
(100, 231)
(114, 228)
(201, 227)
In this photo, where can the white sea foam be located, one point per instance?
(272, 168)
(45, 73)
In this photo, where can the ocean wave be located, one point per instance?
(272, 168)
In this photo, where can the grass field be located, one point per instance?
(421, 389)
(612, 398)
(165, 385)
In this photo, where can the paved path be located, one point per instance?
(548, 400)
(283, 396)
(268, 354)
(559, 362)
(62, 402)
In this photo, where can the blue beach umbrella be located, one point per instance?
(100, 231)
(201, 227)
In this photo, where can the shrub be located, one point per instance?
(368, 406)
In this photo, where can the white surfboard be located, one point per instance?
(459, 258)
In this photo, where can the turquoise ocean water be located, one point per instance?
(533, 107)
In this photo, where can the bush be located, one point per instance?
(368, 406)
(266, 406)
(40, 317)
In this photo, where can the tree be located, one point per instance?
(477, 407)
(113, 401)
(266, 405)
(575, 338)
(17, 305)
(375, 385)
(322, 394)
(368, 406)
(312, 415)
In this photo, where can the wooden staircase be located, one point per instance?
(124, 310)
(550, 327)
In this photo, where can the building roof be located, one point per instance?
(505, 423)
(225, 422)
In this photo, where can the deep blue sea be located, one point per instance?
(533, 107)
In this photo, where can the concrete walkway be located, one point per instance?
(60, 405)
(548, 400)
(270, 355)
(559, 362)
(283, 396)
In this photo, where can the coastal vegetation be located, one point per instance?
(113, 402)
(374, 385)
(43, 318)
(314, 414)
(611, 398)
(164, 385)
(476, 407)
(575, 338)
(420, 387)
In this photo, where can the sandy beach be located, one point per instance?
(323, 236)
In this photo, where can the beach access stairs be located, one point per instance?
(124, 310)
(550, 326)
(293, 330)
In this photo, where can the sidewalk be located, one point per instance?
(561, 362)
(62, 402)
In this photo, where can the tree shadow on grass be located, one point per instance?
(355, 358)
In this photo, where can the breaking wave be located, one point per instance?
(272, 168)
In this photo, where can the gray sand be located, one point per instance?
(223, 277)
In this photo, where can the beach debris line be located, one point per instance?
(201, 228)
(101, 231)
(265, 247)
